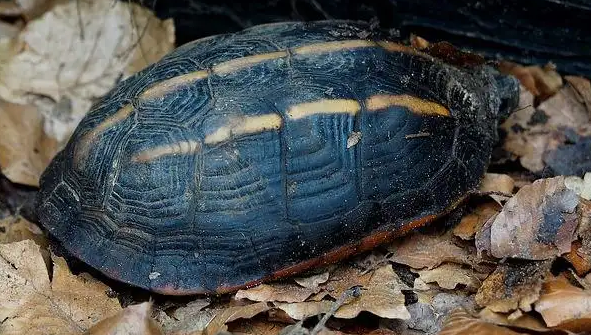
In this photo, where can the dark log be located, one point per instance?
(525, 31)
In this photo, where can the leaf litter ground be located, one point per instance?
(518, 261)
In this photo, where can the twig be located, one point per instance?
(353, 292)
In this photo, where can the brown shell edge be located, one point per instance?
(331, 257)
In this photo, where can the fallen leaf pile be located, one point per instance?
(515, 260)
(58, 64)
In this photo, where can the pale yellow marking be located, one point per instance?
(295, 112)
(239, 63)
(244, 126)
(178, 148)
(332, 46)
(87, 140)
(414, 104)
(324, 106)
(161, 88)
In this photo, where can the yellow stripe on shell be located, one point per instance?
(168, 85)
(298, 111)
(84, 144)
(243, 62)
(324, 106)
(414, 104)
(178, 148)
(244, 126)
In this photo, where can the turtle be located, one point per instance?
(256, 155)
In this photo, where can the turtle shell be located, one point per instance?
(256, 155)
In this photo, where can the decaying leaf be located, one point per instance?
(561, 303)
(25, 150)
(542, 82)
(462, 323)
(579, 261)
(537, 223)
(16, 228)
(312, 282)
(581, 186)
(189, 319)
(512, 286)
(428, 251)
(282, 292)
(419, 42)
(230, 314)
(382, 297)
(584, 229)
(303, 310)
(495, 182)
(29, 9)
(542, 136)
(31, 304)
(518, 320)
(422, 318)
(133, 320)
(103, 44)
(255, 327)
(449, 276)
(582, 88)
(475, 220)
(344, 278)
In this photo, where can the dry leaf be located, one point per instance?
(462, 323)
(312, 282)
(276, 292)
(524, 321)
(189, 319)
(418, 42)
(31, 304)
(542, 136)
(561, 302)
(133, 320)
(428, 251)
(343, 278)
(448, 276)
(580, 262)
(7, 32)
(303, 310)
(14, 229)
(29, 9)
(542, 82)
(581, 186)
(230, 314)
(382, 296)
(255, 327)
(422, 318)
(475, 220)
(102, 45)
(537, 223)
(584, 229)
(495, 182)
(582, 87)
(25, 150)
(512, 286)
